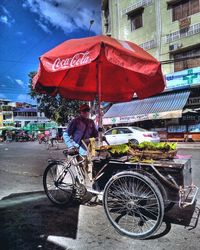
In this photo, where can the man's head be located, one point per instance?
(84, 110)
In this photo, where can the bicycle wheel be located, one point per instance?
(133, 204)
(59, 183)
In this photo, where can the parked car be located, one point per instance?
(136, 135)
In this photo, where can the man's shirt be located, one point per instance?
(79, 129)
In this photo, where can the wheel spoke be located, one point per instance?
(133, 205)
(58, 183)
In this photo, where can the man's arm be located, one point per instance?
(68, 135)
(71, 128)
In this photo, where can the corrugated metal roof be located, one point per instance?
(156, 104)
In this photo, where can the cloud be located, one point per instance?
(19, 33)
(20, 82)
(9, 78)
(43, 27)
(66, 14)
(6, 18)
(5, 10)
(24, 42)
(3, 96)
(21, 36)
(25, 98)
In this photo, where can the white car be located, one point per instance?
(120, 135)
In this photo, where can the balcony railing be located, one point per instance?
(135, 6)
(148, 45)
(193, 29)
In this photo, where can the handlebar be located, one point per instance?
(71, 151)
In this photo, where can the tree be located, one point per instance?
(55, 108)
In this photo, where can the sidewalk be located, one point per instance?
(190, 145)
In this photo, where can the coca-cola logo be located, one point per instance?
(75, 61)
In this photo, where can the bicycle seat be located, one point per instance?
(70, 151)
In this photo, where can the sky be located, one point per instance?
(30, 28)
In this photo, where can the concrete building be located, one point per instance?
(170, 31)
(19, 114)
(6, 113)
(26, 115)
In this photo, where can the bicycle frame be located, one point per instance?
(80, 172)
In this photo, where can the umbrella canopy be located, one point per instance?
(100, 66)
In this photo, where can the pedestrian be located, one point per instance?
(52, 135)
(47, 135)
(80, 128)
(8, 136)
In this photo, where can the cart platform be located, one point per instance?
(174, 176)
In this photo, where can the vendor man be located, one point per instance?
(81, 128)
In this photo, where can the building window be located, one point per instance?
(135, 18)
(184, 9)
(186, 60)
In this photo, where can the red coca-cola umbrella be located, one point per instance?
(99, 67)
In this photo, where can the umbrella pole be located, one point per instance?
(99, 69)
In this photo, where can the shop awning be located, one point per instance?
(166, 106)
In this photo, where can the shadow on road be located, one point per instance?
(187, 217)
(165, 229)
(27, 219)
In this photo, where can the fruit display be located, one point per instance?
(119, 149)
(145, 150)
(158, 146)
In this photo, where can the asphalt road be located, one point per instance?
(22, 165)
(29, 221)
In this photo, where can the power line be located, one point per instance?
(14, 88)
(16, 61)
(179, 59)
(71, 10)
(39, 42)
(13, 92)
(24, 54)
(163, 62)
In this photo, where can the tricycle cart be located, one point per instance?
(105, 69)
(136, 195)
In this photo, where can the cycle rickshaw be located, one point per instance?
(136, 195)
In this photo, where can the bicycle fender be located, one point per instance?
(54, 161)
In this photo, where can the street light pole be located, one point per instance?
(91, 23)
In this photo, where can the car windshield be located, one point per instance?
(139, 129)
